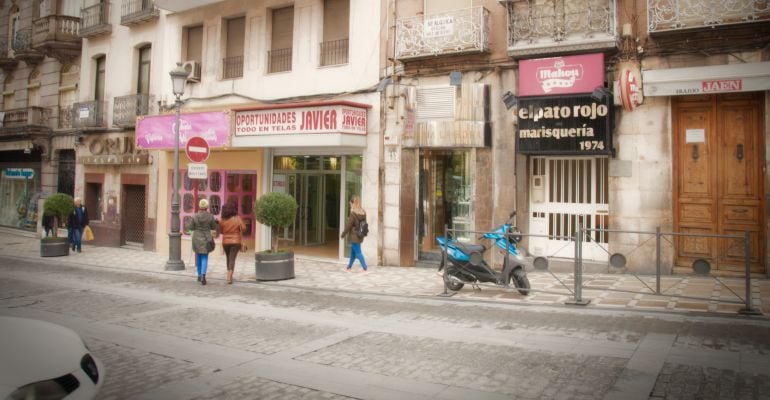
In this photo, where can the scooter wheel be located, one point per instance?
(452, 284)
(521, 281)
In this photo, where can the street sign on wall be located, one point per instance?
(197, 171)
(197, 149)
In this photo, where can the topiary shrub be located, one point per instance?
(60, 205)
(276, 210)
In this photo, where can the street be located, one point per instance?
(163, 336)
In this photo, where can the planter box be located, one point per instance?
(54, 247)
(274, 266)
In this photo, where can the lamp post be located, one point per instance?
(175, 263)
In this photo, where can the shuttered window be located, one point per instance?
(194, 43)
(283, 28)
(435, 103)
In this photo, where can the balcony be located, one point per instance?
(22, 47)
(57, 35)
(334, 52)
(135, 12)
(95, 20)
(538, 27)
(7, 62)
(464, 31)
(89, 114)
(125, 109)
(279, 60)
(232, 67)
(688, 15)
(25, 117)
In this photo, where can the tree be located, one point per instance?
(60, 205)
(276, 210)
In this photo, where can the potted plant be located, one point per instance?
(60, 206)
(276, 210)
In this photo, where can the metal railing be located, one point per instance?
(452, 32)
(650, 285)
(334, 52)
(60, 28)
(560, 25)
(27, 116)
(95, 20)
(232, 67)
(279, 60)
(678, 15)
(125, 109)
(89, 114)
(137, 11)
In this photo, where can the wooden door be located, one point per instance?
(718, 175)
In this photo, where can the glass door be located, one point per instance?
(311, 208)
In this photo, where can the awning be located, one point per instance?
(183, 5)
(706, 80)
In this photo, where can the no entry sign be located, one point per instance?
(197, 149)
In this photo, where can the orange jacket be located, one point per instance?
(232, 230)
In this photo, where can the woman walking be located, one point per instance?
(232, 229)
(202, 224)
(357, 216)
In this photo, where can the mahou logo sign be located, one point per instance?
(561, 75)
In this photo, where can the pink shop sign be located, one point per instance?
(157, 131)
(561, 75)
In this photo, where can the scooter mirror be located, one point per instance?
(513, 214)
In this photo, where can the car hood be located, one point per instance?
(33, 350)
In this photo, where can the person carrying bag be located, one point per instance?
(202, 240)
(232, 228)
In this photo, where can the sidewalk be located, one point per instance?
(327, 275)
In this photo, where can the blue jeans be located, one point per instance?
(355, 252)
(75, 238)
(201, 263)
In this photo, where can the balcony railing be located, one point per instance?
(66, 117)
(559, 26)
(58, 31)
(334, 52)
(7, 61)
(279, 60)
(89, 114)
(232, 67)
(28, 116)
(678, 15)
(95, 20)
(134, 12)
(452, 32)
(125, 109)
(22, 47)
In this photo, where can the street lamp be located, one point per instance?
(175, 263)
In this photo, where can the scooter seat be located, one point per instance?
(470, 248)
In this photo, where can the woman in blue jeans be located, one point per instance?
(357, 214)
(202, 224)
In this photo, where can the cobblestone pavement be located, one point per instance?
(608, 290)
(163, 336)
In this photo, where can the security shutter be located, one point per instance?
(435, 103)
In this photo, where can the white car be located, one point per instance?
(41, 360)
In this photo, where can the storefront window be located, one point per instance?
(232, 182)
(215, 204)
(188, 183)
(332, 163)
(215, 180)
(187, 204)
(18, 197)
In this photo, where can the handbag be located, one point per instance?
(88, 234)
(211, 245)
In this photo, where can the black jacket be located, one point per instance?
(74, 222)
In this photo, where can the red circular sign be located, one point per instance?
(197, 149)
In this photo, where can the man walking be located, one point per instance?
(77, 221)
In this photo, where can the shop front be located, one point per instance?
(565, 129)
(230, 176)
(316, 153)
(20, 184)
(719, 127)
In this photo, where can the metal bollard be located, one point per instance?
(579, 268)
(749, 309)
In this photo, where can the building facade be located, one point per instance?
(40, 58)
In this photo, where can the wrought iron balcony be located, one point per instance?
(279, 60)
(453, 32)
(89, 114)
(680, 15)
(7, 62)
(25, 117)
(559, 26)
(232, 67)
(125, 109)
(95, 20)
(57, 33)
(134, 12)
(334, 52)
(22, 47)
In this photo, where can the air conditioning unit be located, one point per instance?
(193, 69)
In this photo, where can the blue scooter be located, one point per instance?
(465, 262)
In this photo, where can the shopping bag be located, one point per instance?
(88, 234)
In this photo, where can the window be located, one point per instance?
(101, 63)
(334, 48)
(193, 45)
(143, 77)
(33, 88)
(235, 34)
(281, 40)
(435, 103)
(13, 27)
(9, 98)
